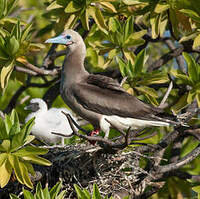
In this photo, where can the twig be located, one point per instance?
(179, 59)
(165, 58)
(39, 70)
(72, 121)
(144, 138)
(176, 165)
(123, 81)
(166, 95)
(12, 103)
(25, 70)
(2, 115)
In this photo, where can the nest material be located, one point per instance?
(85, 165)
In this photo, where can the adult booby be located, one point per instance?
(48, 121)
(100, 99)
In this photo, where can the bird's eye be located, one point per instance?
(67, 37)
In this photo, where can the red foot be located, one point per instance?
(92, 133)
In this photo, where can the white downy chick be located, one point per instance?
(47, 121)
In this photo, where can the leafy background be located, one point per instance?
(151, 42)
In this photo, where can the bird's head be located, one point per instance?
(36, 104)
(70, 38)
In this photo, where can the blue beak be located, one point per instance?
(57, 40)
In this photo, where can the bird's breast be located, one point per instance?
(69, 98)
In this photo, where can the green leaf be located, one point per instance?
(12, 46)
(84, 19)
(25, 175)
(14, 161)
(114, 25)
(198, 99)
(3, 158)
(108, 6)
(15, 123)
(53, 6)
(196, 42)
(39, 192)
(133, 2)
(147, 90)
(181, 76)
(86, 192)
(155, 77)
(135, 38)
(55, 190)
(182, 103)
(62, 195)
(96, 193)
(27, 194)
(113, 53)
(122, 66)
(26, 129)
(37, 160)
(155, 22)
(192, 68)
(72, 7)
(5, 145)
(5, 74)
(192, 14)
(191, 96)
(46, 193)
(8, 124)
(30, 168)
(98, 18)
(196, 189)
(13, 196)
(16, 31)
(139, 62)
(80, 193)
(161, 8)
(174, 22)
(3, 132)
(11, 5)
(26, 32)
(128, 27)
(5, 173)
(30, 150)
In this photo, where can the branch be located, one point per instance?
(187, 159)
(179, 59)
(166, 95)
(182, 175)
(25, 70)
(12, 103)
(165, 58)
(39, 71)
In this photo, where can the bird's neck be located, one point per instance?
(73, 67)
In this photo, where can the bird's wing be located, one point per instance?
(104, 82)
(53, 117)
(109, 98)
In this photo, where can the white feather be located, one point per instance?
(47, 121)
(124, 123)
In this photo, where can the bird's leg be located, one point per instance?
(62, 141)
(94, 132)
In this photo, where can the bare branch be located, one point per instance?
(176, 165)
(39, 70)
(165, 58)
(25, 70)
(166, 94)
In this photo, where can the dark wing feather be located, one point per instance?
(110, 99)
(104, 82)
